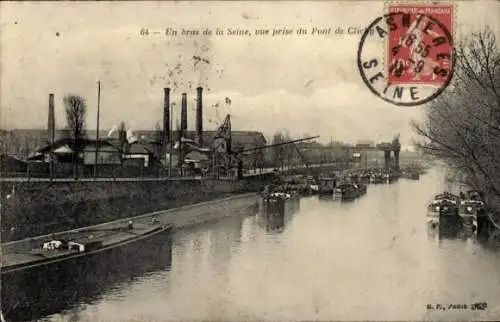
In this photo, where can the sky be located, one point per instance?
(307, 85)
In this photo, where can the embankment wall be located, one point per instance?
(178, 217)
(38, 208)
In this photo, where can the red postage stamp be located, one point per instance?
(419, 53)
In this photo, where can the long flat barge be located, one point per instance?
(40, 276)
(85, 242)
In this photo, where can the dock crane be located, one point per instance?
(306, 163)
(274, 145)
(223, 139)
(238, 154)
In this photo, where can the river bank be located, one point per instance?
(179, 217)
(31, 209)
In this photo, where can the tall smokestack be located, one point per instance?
(51, 129)
(166, 119)
(184, 120)
(199, 115)
(51, 121)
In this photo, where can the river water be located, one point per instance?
(370, 259)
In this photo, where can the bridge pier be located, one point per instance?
(387, 160)
(388, 148)
(396, 160)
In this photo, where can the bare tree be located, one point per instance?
(257, 156)
(76, 108)
(288, 149)
(122, 140)
(158, 140)
(278, 153)
(462, 126)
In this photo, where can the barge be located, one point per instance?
(277, 210)
(326, 185)
(468, 211)
(415, 176)
(349, 191)
(450, 223)
(36, 281)
(85, 242)
(433, 214)
(376, 178)
(440, 205)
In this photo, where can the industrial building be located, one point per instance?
(166, 148)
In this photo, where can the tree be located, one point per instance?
(462, 126)
(158, 140)
(122, 140)
(257, 156)
(76, 109)
(278, 153)
(288, 149)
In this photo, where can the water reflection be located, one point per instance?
(330, 198)
(452, 227)
(33, 294)
(273, 217)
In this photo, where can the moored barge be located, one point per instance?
(441, 204)
(36, 280)
(349, 191)
(468, 211)
(326, 185)
(84, 242)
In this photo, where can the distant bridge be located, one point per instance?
(386, 147)
(258, 172)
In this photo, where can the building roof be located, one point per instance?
(63, 144)
(239, 138)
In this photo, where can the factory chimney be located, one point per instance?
(51, 121)
(184, 115)
(166, 137)
(51, 129)
(199, 115)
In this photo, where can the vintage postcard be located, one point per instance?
(250, 160)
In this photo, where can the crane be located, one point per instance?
(238, 153)
(304, 159)
(275, 144)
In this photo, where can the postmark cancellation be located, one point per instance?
(406, 56)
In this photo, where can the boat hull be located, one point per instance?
(349, 193)
(273, 215)
(377, 179)
(450, 226)
(469, 224)
(36, 291)
(432, 218)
